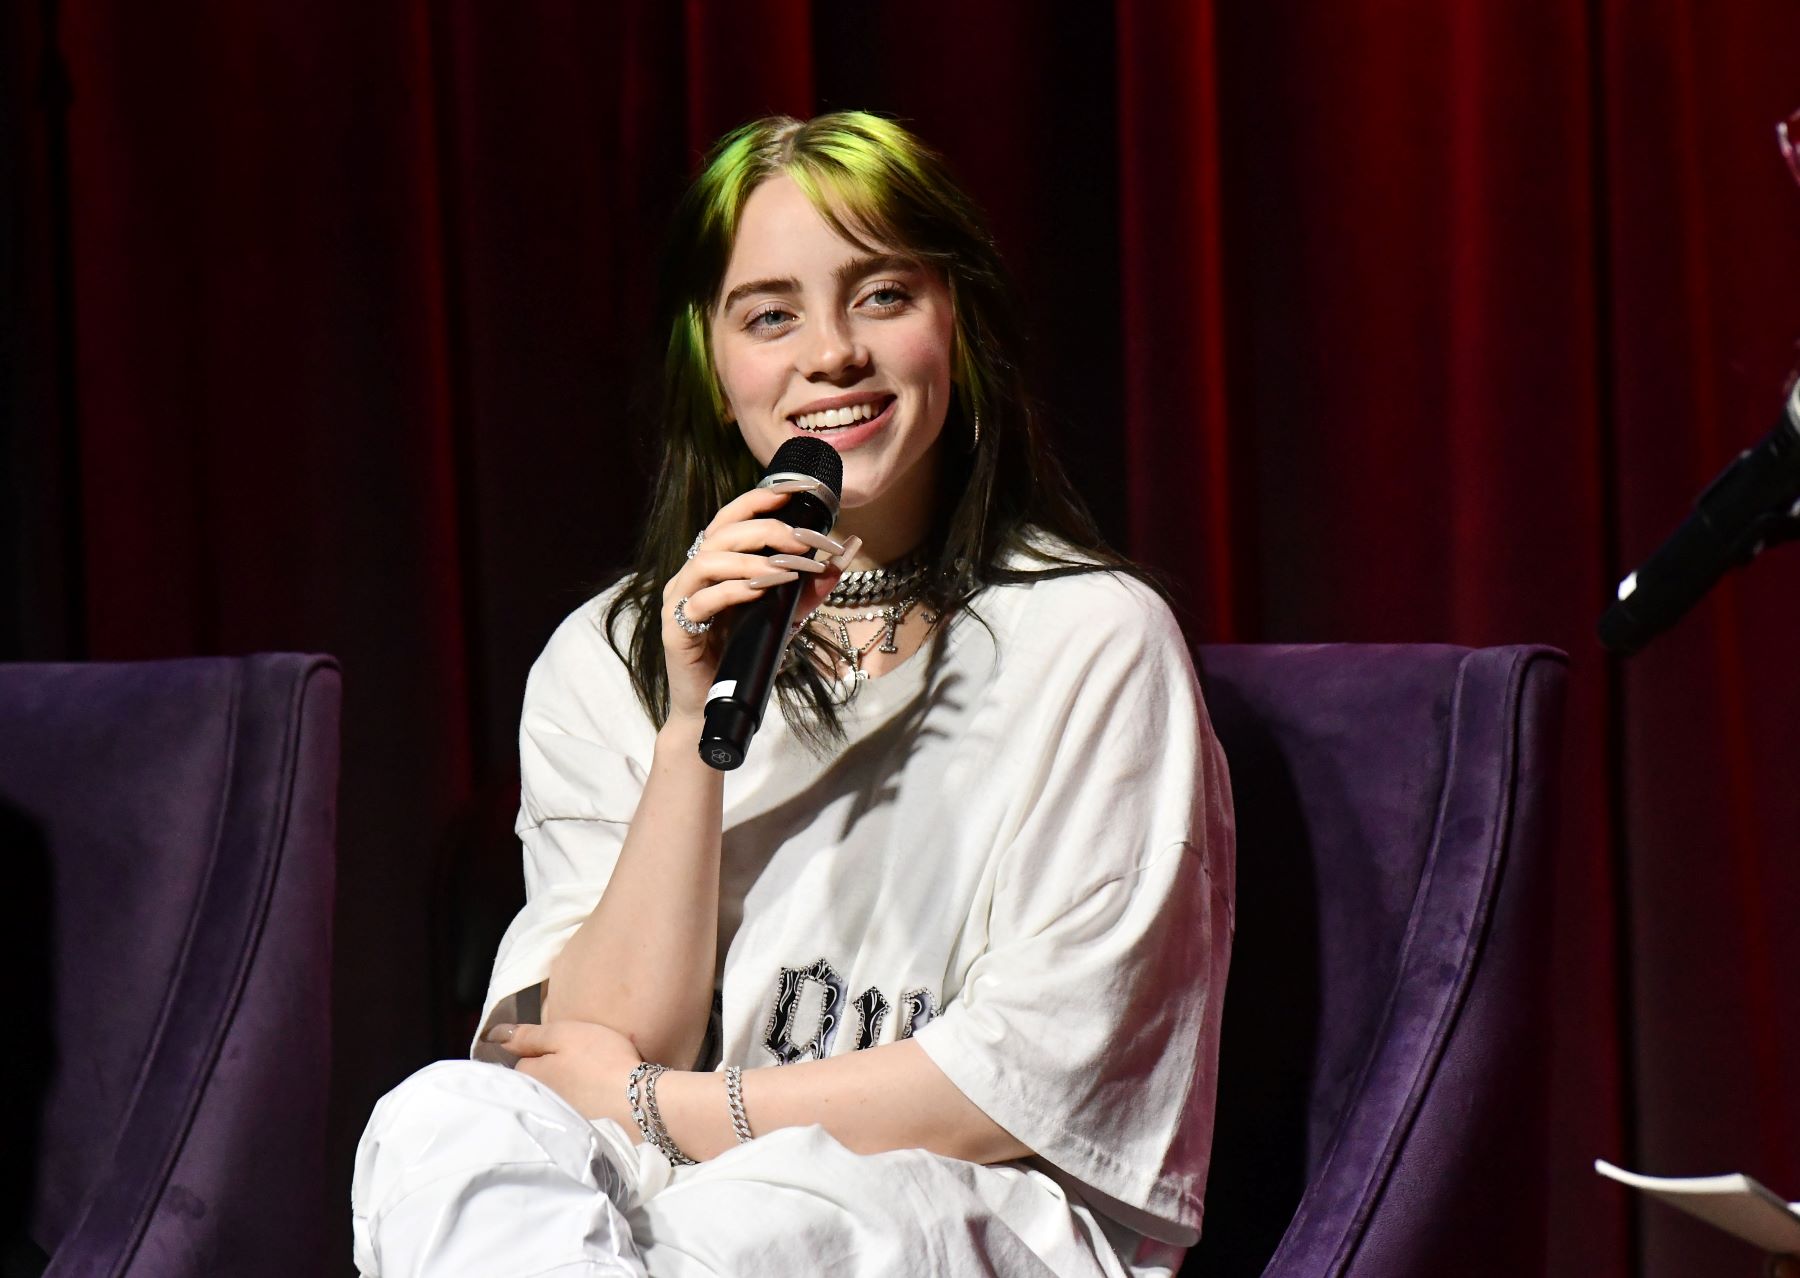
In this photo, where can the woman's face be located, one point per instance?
(816, 337)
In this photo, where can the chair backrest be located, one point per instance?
(1381, 1099)
(169, 831)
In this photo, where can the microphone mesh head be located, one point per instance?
(813, 458)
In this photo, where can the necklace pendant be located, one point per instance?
(888, 637)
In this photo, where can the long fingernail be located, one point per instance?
(797, 562)
(819, 541)
(773, 579)
(795, 486)
(500, 1033)
(850, 549)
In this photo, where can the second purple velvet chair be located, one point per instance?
(1382, 1103)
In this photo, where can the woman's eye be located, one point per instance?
(887, 297)
(769, 321)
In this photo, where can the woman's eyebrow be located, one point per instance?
(855, 268)
(786, 285)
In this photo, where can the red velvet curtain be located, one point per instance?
(1364, 321)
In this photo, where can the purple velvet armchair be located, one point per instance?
(1382, 1100)
(169, 837)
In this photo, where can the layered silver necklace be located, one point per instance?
(886, 594)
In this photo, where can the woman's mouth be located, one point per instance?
(846, 427)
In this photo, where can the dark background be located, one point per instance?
(1365, 320)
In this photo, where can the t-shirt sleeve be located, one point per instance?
(1088, 1027)
(583, 754)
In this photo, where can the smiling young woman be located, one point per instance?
(932, 983)
(847, 346)
(819, 337)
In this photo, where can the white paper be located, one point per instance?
(1734, 1203)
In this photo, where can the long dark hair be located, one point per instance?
(1001, 499)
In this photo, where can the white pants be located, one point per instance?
(471, 1170)
(474, 1169)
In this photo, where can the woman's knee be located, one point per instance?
(449, 1156)
(452, 1077)
(462, 1110)
(472, 1089)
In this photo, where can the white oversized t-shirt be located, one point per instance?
(1022, 856)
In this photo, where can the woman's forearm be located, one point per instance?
(642, 963)
(882, 1098)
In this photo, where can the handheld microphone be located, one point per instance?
(759, 629)
(1754, 501)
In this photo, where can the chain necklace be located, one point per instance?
(879, 585)
(895, 589)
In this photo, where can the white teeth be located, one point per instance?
(834, 418)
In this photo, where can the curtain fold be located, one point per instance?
(1172, 250)
(1368, 321)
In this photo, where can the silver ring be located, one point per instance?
(681, 619)
(695, 548)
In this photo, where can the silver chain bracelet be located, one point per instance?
(640, 1095)
(734, 1097)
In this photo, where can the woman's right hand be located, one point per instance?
(729, 570)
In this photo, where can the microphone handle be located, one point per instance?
(740, 690)
(753, 651)
(1730, 523)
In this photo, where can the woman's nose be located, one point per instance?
(830, 349)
